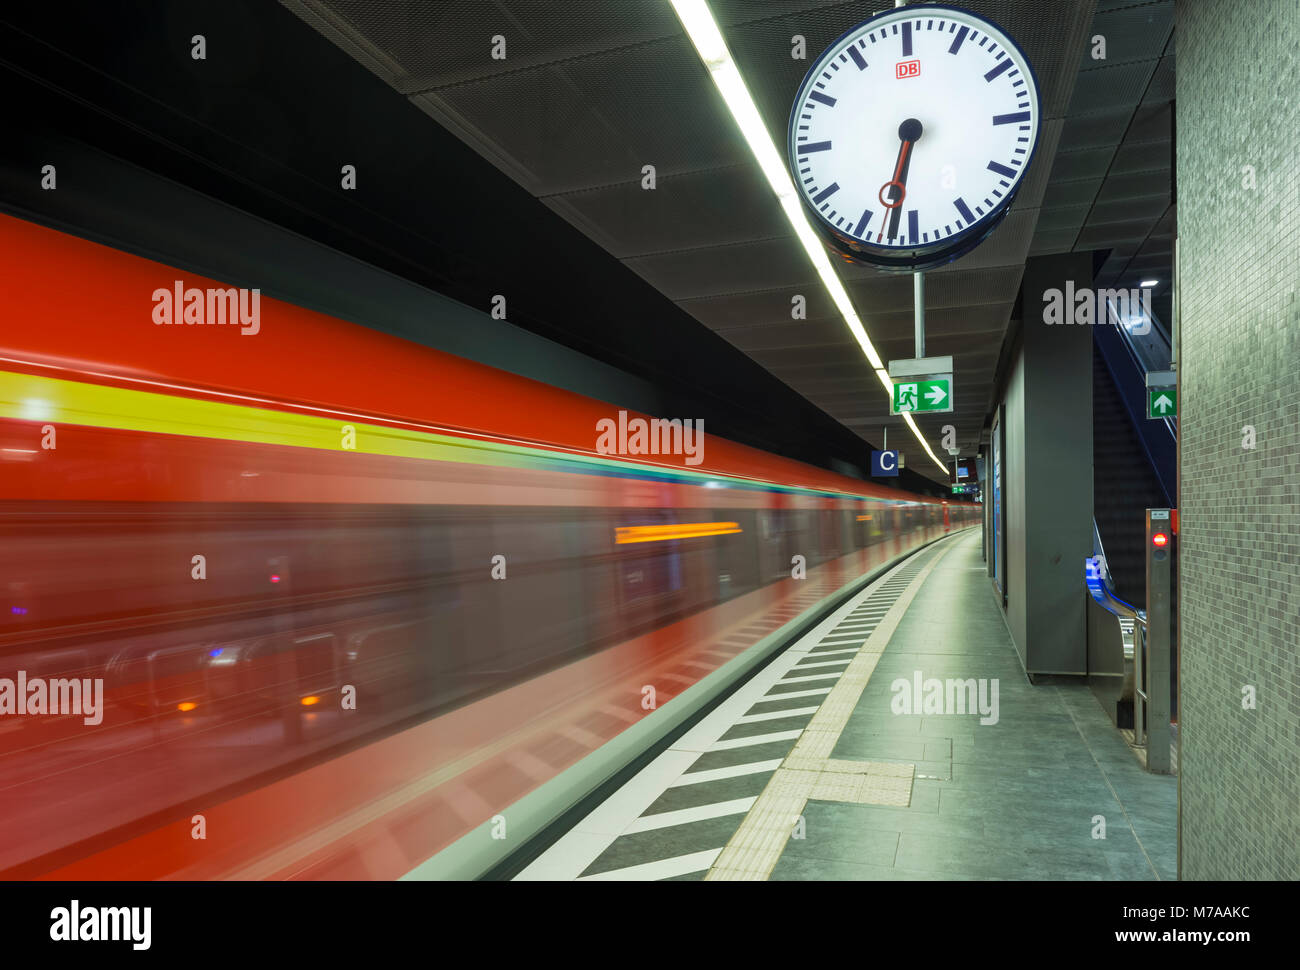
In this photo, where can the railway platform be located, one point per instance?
(824, 766)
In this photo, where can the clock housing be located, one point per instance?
(911, 135)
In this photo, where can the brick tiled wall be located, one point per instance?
(1238, 90)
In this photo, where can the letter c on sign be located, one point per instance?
(886, 456)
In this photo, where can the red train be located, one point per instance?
(347, 597)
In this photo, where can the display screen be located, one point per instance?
(962, 471)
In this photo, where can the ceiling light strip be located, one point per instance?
(703, 31)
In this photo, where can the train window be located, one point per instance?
(737, 563)
(649, 569)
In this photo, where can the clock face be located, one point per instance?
(911, 134)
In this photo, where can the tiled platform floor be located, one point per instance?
(1018, 799)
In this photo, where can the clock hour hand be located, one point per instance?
(909, 132)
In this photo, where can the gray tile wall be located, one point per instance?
(1238, 105)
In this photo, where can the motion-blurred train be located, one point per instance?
(349, 597)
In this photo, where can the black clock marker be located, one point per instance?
(1006, 63)
(826, 193)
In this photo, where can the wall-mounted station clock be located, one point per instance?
(911, 134)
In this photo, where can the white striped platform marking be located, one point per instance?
(821, 676)
(824, 668)
(775, 715)
(663, 869)
(731, 771)
(786, 695)
(826, 653)
(684, 816)
(756, 739)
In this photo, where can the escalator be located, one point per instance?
(1124, 486)
(1134, 469)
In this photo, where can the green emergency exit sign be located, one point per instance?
(923, 394)
(1162, 402)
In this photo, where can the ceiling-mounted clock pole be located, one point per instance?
(918, 285)
(909, 138)
(918, 302)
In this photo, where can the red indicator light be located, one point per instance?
(1159, 539)
(275, 579)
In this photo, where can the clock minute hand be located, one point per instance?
(909, 132)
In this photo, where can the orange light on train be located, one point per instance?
(864, 518)
(186, 706)
(309, 701)
(678, 530)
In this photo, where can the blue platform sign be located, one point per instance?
(884, 464)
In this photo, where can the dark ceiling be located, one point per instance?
(229, 166)
(675, 286)
(588, 93)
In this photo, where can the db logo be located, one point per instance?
(910, 68)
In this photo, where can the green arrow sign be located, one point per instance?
(922, 394)
(1162, 402)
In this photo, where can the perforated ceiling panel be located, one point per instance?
(589, 93)
(1110, 186)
